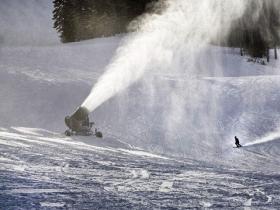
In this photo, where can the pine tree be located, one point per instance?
(257, 31)
(77, 20)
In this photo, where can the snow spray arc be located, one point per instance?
(194, 23)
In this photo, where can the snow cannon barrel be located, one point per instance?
(81, 114)
(75, 121)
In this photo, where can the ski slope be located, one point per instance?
(158, 151)
(41, 169)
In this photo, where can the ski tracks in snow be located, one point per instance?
(42, 169)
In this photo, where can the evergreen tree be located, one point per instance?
(257, 30)
(84, 19)
(63, 15)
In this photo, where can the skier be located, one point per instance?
(237, 142)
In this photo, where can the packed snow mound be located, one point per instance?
(163, 113)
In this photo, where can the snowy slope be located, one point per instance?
(158, 150)
(44, 170)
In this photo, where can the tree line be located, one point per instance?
(77, 20)
(254, 33)
(257, 30)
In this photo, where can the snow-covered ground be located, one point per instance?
(147, 158)
(41, 169)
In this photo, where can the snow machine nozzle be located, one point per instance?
(80, 114)
(76, 122)
(79, 124)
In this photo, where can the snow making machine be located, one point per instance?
(79, 124)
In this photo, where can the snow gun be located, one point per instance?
(79, 124)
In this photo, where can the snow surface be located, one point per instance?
(142, 162)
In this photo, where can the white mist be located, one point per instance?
(159, 40)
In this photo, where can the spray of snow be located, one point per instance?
(183, 29)
(268, 138)
(176, 43)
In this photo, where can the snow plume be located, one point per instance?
(274, 136)
(162, 42)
